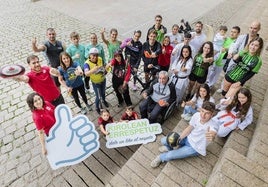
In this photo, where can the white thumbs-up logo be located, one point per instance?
(71, 139)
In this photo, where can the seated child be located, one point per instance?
(237, 115)
(129, 114)
(193, 140)
(193, 106)
(104, 119)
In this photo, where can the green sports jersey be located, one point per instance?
(226, 45)
(112, 48)
(198, 69)
(247, 64)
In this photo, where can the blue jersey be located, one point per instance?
(71, 79)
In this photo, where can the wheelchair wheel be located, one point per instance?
(169, 110)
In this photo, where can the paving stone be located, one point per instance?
(6, 148)
(15, 153)
(31, 176)
(29, 136)
(18, 182)
(19, 133)
(7, 139)
(35, 161)
(9, 177)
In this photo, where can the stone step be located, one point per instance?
(196, 171)
(234, 169)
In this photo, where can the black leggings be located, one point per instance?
(82, 92)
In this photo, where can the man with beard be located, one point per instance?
(198, 37)
(52, 48)
(39, 79)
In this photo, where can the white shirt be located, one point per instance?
(177, 50)
(177, 37)
(197, 137)
(199, 101)
(218, 42)
(197, 40)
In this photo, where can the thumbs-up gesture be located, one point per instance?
(71, 139)
(210, 134)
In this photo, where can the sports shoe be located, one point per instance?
(163, 149)
(156, 162)
(83, 111)
(106, 104)
(120, 105)
(188, 117)
(89, 107)
(87, 90)
(183, 115)
(98, 110)
(219, 91)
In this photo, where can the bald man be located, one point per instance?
(244, 39)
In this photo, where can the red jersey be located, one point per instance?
(104, 123)
(44, 119)
(43, 84)
(129, 118)
(164, 59)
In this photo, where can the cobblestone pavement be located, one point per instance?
(21, 161)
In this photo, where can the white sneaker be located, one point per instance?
(163, 149)
(83, 111)
(156, 162)
(219, 90)
(182, 115)
(188, 117)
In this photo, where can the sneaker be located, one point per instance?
(106, 104)
(120, 105)
(219, 91)
(83, 111)
(87, 90)
(156, 162)
(89, 107)
(98, 111)
(183, 115)
(163, 149)
(188, 117)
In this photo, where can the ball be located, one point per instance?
(173, 139)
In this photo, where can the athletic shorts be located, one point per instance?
(200, 80)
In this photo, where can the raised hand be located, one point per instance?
(71, 139)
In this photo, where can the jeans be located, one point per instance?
(149, 106)
(185, 150)
(189, 110)
(99, 90)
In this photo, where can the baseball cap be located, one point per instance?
(93, 51)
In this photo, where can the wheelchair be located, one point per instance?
(166, 113)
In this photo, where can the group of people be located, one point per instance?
(188, 66)
(239, 57)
